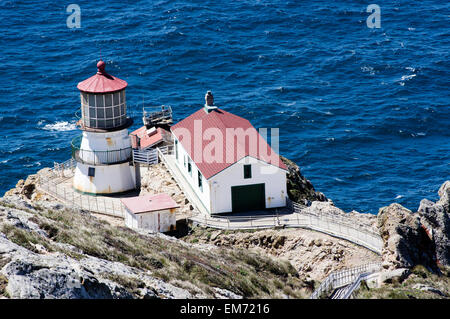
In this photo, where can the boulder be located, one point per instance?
(428, 289)
(405, 241)
(399, 275)
(298, 187)
(435, 218)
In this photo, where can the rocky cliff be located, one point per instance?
(420, 238)
(51, 251)
(48, 250)
(300, 189)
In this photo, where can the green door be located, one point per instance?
(248, 197)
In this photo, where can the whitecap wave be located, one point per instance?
(399, 196)
(418, 134)
(407, 77)
(60, 126)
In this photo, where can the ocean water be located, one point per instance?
(364, 112)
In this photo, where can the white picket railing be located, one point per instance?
(148, 157)
(343, 278)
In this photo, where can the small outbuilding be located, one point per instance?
(151, 212)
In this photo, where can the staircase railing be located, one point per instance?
(343, 278)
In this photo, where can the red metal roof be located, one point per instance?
(149, 203)
(222, 120)
(146, 138)
(102, 82)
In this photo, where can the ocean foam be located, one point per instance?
(60, 126)
(407, 77)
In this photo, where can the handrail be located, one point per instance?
(336, 227)
(166, 150)
(343, 278)
(356, 284)
(107, 157)
(154, 115)
(148, 157)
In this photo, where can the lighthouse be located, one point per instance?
(103, 152)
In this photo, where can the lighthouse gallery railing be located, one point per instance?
(108, 157)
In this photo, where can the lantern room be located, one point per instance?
(103, 101)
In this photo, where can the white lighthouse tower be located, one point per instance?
(103, 151)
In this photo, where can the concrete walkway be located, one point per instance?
(330, 226)
(59, 185)
(64, 192)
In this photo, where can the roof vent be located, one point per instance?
(209, 102)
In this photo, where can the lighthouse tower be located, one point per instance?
(103, 151)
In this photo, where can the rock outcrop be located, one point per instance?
(314, 255)
(27, 188)
(48, 250)
(300, 190)
(421, 238)
(435, 217)
(406, 242)
(32, 270)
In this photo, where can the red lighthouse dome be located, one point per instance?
(102, 82)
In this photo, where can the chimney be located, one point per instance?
(209, 102)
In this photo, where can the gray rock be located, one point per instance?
(298, 187)
(225, 294)
(43, 274)
(396, 274)
(428, 288)
(405, 242)
(435, 217)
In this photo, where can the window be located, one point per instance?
(189, 166)
(108, 109)
(108, 99)
(101, 113)
(247, 171)
(84, 98)
(91, 171)
(176, 149)
(116, 99)
(184, 160)
(99, 100)
(91, 99)
(200, 185)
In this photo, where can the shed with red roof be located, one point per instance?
(156, 213)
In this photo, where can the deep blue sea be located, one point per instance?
(364, 112)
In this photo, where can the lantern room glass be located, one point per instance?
(103, 110)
